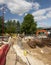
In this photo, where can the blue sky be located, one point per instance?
(17, 9)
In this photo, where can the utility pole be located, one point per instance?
(3, 23)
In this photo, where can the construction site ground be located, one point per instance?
(42, 54)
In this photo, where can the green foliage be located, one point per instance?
(29, 25)
(12, 26)
(0, 25)
(4, 30)
(18, 27)
(9, 26)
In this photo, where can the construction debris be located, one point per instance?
(28, 51)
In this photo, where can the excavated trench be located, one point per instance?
(24, 54)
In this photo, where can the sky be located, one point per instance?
(17, 9)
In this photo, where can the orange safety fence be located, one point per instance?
(38, 31)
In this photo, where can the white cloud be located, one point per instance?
(2, 1)
(49, 14)
(36, 6)
(26, 14)
(43, 24)
(40, 18)
(19, 6)
(42, 14)
(48, 9)
(39, 12)
(1, 8)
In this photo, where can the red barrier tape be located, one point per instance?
(3, 53)
(3, 62)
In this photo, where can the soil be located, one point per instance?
(38, 55)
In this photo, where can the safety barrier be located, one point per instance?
(3, 52)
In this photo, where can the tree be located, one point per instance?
(4, 30)
(18, 27)
(11, 26)
(0, 24)
(28, 25)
